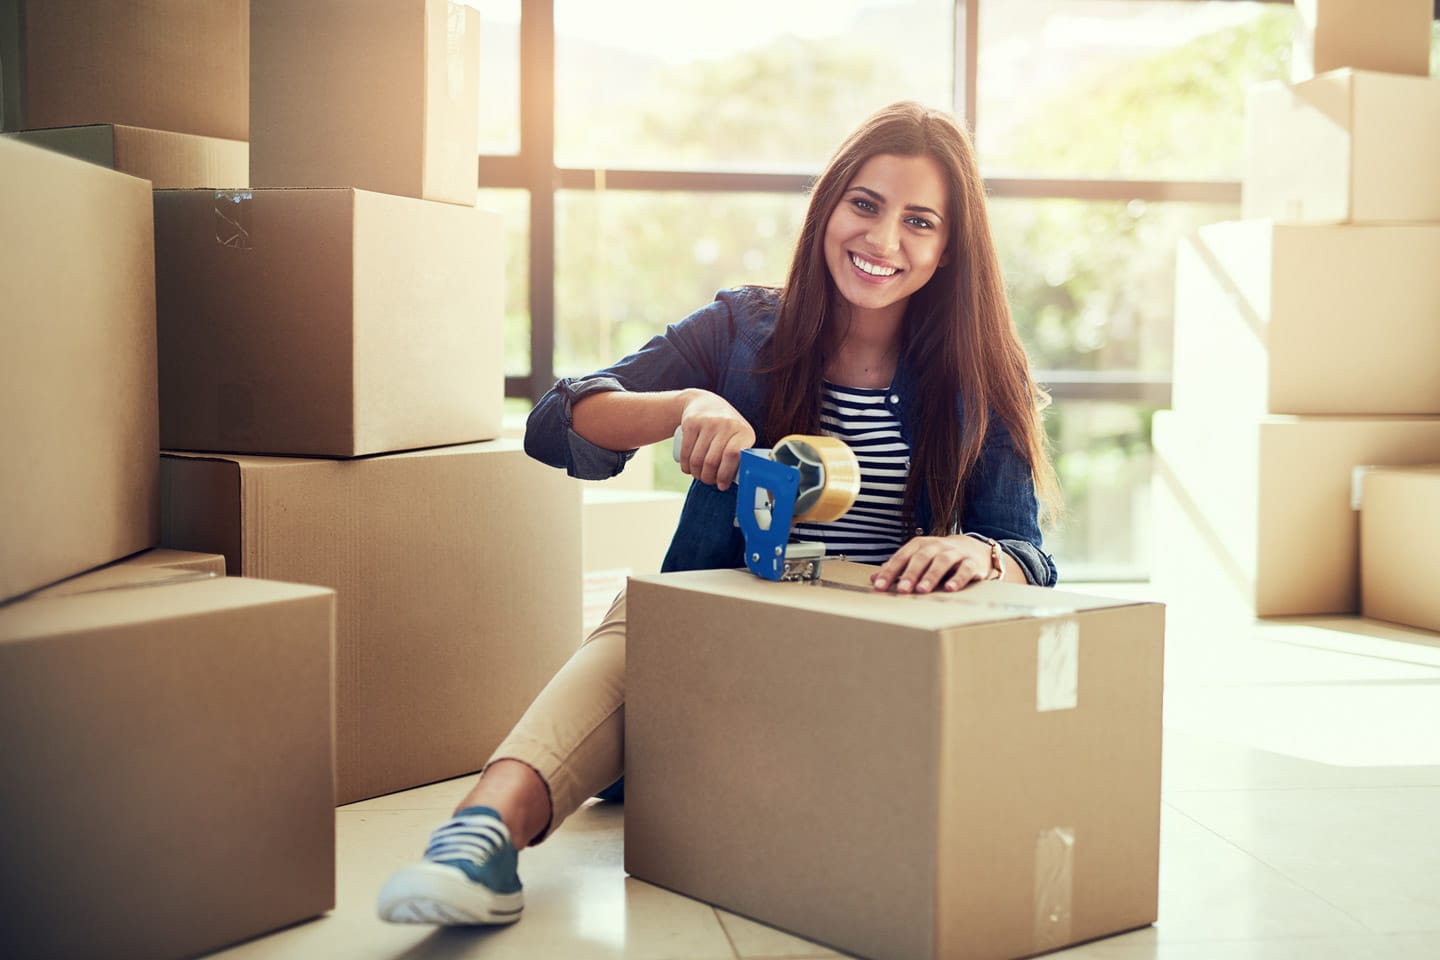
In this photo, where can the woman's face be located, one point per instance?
(887, 236)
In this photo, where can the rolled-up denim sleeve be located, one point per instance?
(1000, 503)
(690, 353)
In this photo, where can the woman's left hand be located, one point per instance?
(929, 563)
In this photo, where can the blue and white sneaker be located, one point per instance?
(468, 876)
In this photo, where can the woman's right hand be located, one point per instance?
(712, 435)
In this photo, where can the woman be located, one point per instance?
(891, 332)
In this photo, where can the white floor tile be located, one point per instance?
(1139, 946)
(1374, 853)
(754, 941)
(578, 902)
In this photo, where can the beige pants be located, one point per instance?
(573, 734)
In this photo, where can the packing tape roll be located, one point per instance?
(829, 475)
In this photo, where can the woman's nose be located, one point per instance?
(884, 235)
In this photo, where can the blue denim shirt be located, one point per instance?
(717, 348)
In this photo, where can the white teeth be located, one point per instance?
(875, 270)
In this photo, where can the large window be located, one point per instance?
(647, 154)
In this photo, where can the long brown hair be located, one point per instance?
(958, 334)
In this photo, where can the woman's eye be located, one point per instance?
(863, 204)
(921, 222)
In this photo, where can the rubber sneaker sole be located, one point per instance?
(436, 894)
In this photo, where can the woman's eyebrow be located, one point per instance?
(909, 206)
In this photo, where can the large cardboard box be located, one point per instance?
(1258, 513)
(146, 568)
(458, 573)
(162, 64)
(326, 322)
(972, 775)
(1399, 524)
(169, 754)
(78, 417)
(1348, 146)
(1389, 36)
(175, 161)
(1307, 319)
(378, 94)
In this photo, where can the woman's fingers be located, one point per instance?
(713, 434)
(925, 564)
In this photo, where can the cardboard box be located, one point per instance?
(79, 430)
(458, 574)
(1258, 512)
(161, 64)
(628, 530)
(1346, 147)
(975, 775)
(144, 569)
(168, 160)
(1392, 36)
(378, 94)
(326, 322)
(624, 532)
(169, 759)
(1307, 319)
(1399, 523)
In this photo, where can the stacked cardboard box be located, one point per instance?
(168, 742)
(1306, 334)
(1399, 519)
(331, 384)
(129, 675)
(157, 89)
(77, 373)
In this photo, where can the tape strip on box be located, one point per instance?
(1054, 887)
(232, 218)
(1057, 665)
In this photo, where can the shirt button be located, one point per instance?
(919, 531)
(894, 398)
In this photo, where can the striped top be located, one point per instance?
(871, 531)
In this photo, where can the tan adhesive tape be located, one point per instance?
(1054, 887)
(829, 475)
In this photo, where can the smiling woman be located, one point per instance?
(891, 333)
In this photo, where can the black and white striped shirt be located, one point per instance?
(871, 531)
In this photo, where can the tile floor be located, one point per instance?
(1301, 821)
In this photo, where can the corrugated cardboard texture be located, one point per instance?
(391, 96)
(77, 373)
(458, 574)
(169, 756)
(143, 569)
(161, 64)
(1399, 521)
(872, 771)
(170, 161)
(1266, 503)
(1346, 147)
(326, 322)
(1388, 37)
(1307, 319)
